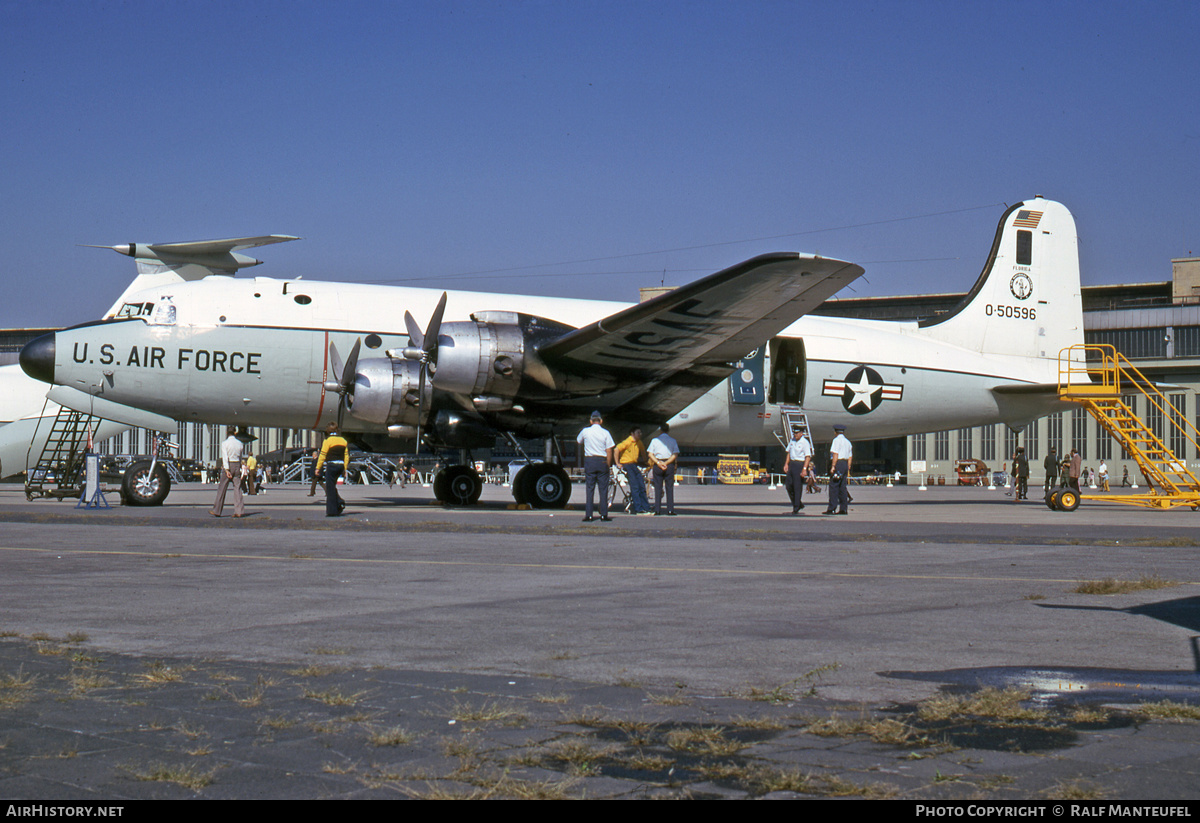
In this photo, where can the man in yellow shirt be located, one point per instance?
(333, 458)
(631, 456)
(250, 469)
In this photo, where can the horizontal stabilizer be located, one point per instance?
(1027, 388)
(218, 256)
(161, 264)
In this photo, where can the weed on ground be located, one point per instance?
(168, 728)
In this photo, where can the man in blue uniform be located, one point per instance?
(596, 445)
(664, 458)
(796, 465)
(840, 455)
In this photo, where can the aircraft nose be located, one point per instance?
(37, 358)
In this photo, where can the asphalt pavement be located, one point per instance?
(932, 644)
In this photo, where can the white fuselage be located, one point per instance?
(255, 352)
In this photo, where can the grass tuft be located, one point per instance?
(998, 704)
(703, 740)
(1110, 585)
(1169, 710)
(334, 697)
(487, 713)
(16, 688)
(1075, 790)
(887, 730)
(789, 691)
(187, 776)
(159, 672)
(395, 736)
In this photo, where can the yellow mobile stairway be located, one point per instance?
(1100, 378)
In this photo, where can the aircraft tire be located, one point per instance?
(545, 486)
(520, 491)
(1068, 500)
(141, 488)
(458, 485)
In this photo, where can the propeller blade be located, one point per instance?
(435, 325)
(334, 374)
(351, 368)
(416, 338)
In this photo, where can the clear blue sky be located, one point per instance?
(491, 145)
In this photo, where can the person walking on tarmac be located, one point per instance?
(232, 449)
(840, 454)
(1021, 475)
(796, 466)
(1050, 464)
(333, 458)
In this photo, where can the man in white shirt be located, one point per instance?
(231, 474)
(795, 466)
(596, 446)
(840, 454)
(664, 459)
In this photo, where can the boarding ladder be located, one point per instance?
(789, 418)
(59, 467)
(1099, 378)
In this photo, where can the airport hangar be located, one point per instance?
(1156, 325)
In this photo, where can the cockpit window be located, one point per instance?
(136, 310)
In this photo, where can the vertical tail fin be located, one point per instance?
(1027, 301)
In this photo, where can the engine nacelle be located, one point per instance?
(386, 391)
(485, 357)
(494, 358)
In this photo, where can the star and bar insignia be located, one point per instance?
(862, 390)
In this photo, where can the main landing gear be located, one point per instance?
(458, 485)
(538, 485)
(542, 485)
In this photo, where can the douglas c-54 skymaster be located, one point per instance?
(719, 358)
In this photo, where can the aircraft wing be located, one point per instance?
(711, 322)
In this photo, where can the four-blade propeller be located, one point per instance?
(344, 382)
(424, 348)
